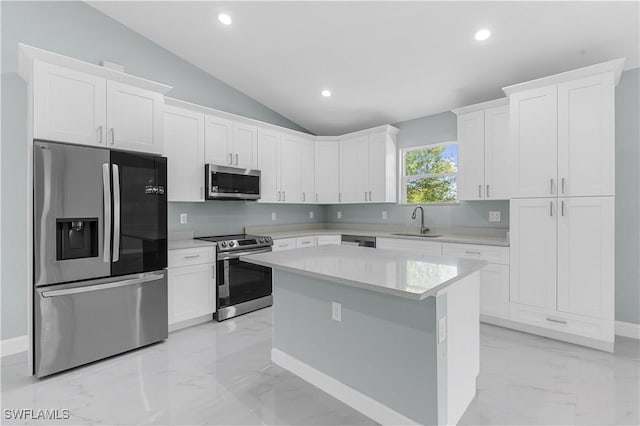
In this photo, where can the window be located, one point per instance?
(429, 174)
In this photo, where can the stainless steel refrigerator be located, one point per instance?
(100, 253)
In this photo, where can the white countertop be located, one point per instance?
(395, 272)
(188, 243)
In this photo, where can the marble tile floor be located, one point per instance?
(220, 373)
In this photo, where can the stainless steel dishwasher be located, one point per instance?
(358, 240)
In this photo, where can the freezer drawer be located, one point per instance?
(86, 321)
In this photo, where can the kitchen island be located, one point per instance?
(393, 334)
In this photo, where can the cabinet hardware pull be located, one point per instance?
(563, 185)
(472, 252)
(213, 271)
(562, 207)
(304, 196)
(550, 208)
(316, 197)
(99, 134)
(369, 195)
(236, 159)
(551, 185)
(279, 196)
(339, 197)
(487, 190)
(479, 191)
(193, 256)
(231, 158)
(556, 321)
(365, 195)
(284, 195)
(113, 136)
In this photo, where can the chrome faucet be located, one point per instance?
(423, 229)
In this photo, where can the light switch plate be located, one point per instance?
(384, 215)
(183, 218)
(310, 215)
(273, 215)
(339, 214)
(494, 216)
(336, 311)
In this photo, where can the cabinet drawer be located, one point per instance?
(424, 247)
(579, 325)
(307, 241)
(491, 254)
(322, 240)
(190, 256)
(284, 244)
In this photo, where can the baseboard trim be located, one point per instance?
(190, 322)
(353, 398)
(13, 345)
(628, 329)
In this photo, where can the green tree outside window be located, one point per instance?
(429, 173)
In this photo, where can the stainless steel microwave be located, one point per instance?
(231, 183)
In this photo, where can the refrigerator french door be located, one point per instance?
(100, 249)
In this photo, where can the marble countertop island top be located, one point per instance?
(395, 272)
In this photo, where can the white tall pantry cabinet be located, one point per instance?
(562, 209)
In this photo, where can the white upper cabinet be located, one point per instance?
(134, 118)
(326, 171)
(268, 163)
(586, 253)
(184, 149)
(586, 136)
(230, 143)
(534, 136)
(290, 169)
(483, 151)
(368, 165)
(244, 146)
(307, 174)
(217, 134)
(68, 105)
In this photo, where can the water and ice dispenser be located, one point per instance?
(76, 238)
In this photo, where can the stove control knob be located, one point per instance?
(223, 244)
(261, 240)
(232, 243)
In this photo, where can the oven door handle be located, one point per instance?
(237, 254)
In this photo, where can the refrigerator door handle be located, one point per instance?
(85, 289)
(116, 213)
(106, 197)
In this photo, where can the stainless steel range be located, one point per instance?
(242, 287)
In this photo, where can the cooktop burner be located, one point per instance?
(238, 241)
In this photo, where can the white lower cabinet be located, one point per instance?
(192, 284)
(308, 241)
(494, 278)
(323, 240)
(284, 244)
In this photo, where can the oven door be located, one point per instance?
(231, 183)
(240, 282)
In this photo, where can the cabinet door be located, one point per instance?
(290, 169)
(217, 140)
(307, 181)
(184, 148)
(586, 136)
(326, 170)
(268, 143)
(533, 119)
(284, 244)
(382, 168)
(586, 256)
(494, 291)
(497, 153)
(192, 292)
(245, 146)
(134, 118)
(68, 106)
(533, 262)
(323, 240)
(471, 156)
(354, 170)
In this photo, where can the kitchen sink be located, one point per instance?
(418, 235)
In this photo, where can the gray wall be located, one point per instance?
(77, 30)
(628, 197)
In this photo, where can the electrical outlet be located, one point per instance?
(384, 215)
(494, 216)
(442, 329)
(183, 219)
(310, 215)
(273, 216)
(336, 311)
(339, 214)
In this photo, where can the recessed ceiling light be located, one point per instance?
(326, 93)
(224, 18)
(483, 34)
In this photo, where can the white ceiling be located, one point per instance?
(385, 62)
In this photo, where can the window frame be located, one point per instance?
(403, 178)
